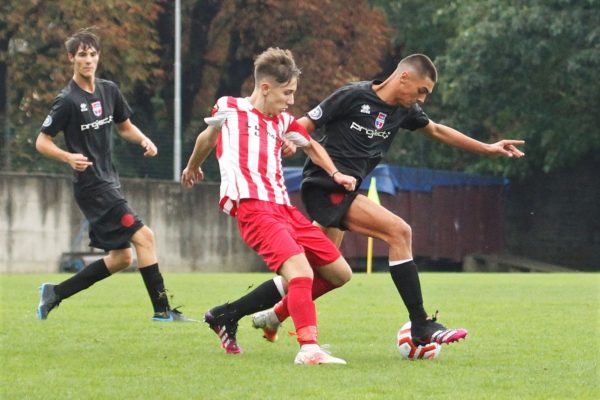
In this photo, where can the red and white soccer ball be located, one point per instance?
(407, 348)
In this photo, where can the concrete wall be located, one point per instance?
(39, 220)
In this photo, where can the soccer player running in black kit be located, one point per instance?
(359, 122)
(85, 111)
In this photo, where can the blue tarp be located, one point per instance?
(391, 179)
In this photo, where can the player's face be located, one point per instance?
(85, 61)
(413, 89)
(280, 96)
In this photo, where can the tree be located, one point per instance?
(527, 70)
(332, 43)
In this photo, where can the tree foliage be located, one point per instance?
(528, 70)
(506, 68)
(332, 43)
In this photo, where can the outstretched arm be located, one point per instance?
(205, 142)
(132, 133)
(452, 137)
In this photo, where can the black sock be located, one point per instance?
(92, 273)
(406, 279)
(156, 287)
(262, 297)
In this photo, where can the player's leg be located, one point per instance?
(101, 228)
(331, 272)
(299, 274)
(371, 219)
(265, 230)
(326, 278)
(51, 295)
(144, 243)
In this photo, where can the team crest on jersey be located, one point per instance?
(97, 108)
(315, 113)
(47, 121)
(365, 109)
(83, 107)
(380, 120)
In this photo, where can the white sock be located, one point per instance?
(392, 263)
(278, 280)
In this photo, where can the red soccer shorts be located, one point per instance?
(277, 232)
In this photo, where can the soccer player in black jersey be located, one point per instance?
(85, 111)
(359, 122)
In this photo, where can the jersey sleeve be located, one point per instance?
(333, 106)
(416, 119)
(218, 113)
(297, 134)
(122, 110)
(58, 117)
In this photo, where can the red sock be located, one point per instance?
(320, 286)
(302, 309)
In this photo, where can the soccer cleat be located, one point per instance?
(319, 356)
(429, 331)
(268, 322)
(226, 330)
(48, 300)
(173, 315)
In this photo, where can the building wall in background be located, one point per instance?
(39, 220)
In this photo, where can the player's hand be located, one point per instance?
(288, 148)
(150, 149)
(191, 176)
(78, 162)
(507, 148)
(347, 181)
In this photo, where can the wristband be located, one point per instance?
(332, 175)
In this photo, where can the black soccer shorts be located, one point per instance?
(112, 221)
(327, 203)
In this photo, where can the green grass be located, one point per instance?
(532, 336)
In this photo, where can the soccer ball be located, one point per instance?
(407, 348)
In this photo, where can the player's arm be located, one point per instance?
(319, 156)
(452, 137)
(132, 133)
(308, 124)
(205, 142)
(46, 146)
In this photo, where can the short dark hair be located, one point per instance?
(276, 63)
(421, 64)
(83, 37)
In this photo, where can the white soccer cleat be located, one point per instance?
(268, 322)
(319, 356)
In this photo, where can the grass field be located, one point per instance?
(532, 336)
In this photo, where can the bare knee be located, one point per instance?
(143, 238)
(337, 273)
(343, 278)
(400, 234)
(118, 260)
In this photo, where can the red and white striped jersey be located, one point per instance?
(249, 152)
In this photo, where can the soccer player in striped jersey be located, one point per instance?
(359, 121)
(248, 134)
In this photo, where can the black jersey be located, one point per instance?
(86, 120)
(359, 128)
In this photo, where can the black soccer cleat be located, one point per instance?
(429, 330)
(48, 300)
(226, 330)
